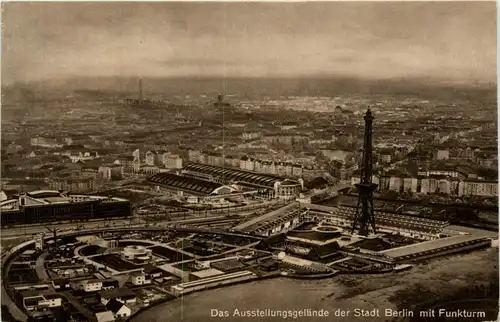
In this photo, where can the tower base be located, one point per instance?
(365, 213)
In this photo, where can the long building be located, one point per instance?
(436, 181)
(275, 222)
(45, 206)
(439, 247)
(211, 282)
(190, 185)
(410, 226)
(277, 186)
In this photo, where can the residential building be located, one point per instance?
(109, 284)
(46, 142)
(93, 285)
(195, 156)
(150, 158)
(106, 316)
(469, 153)
(136, 154)
(384, 182)
(287, 127)
(444, 186)
(297, 170)
(68, 141)
(171, 161)
(407, 185)
(119, 309)
(33, 301)
(287, 139)
(385, 158)
(153, 272)
(447, 172)
(443, 154)
(247, 163)
(424, 186)
(61, 284)
(111, 172)
(395, 183)
(355, 179)
(139, 278)
(480, 188)
(79, 184)
(77, 156)
(130, 164)
(149, 170)
(3, 196)
(90, 170)
(251, 135)
(122, 295)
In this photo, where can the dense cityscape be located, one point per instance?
(153, 198)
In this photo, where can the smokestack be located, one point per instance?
(140, 89)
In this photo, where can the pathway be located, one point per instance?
(41, 272)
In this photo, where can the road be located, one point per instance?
(41, 272)
(28, 231)
(16, 312)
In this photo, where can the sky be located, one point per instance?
(447, 41)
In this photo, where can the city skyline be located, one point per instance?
(452, 42)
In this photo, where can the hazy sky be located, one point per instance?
(443, 41)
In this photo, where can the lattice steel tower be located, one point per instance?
(364, 217)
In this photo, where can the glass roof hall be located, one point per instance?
(185, 183)
(235, 175)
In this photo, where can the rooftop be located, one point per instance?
(44, 193)
(260, 221)
(117, 292)
(235, 175)
(207, 273)
(190, 184)
(429, 245)
(114, 305)
(105, 316)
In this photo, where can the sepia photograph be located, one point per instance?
(233, 161)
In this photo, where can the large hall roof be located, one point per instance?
(193, 185)
(235, 174)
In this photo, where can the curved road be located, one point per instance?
(41, 272)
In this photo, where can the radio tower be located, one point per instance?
(364, 216)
